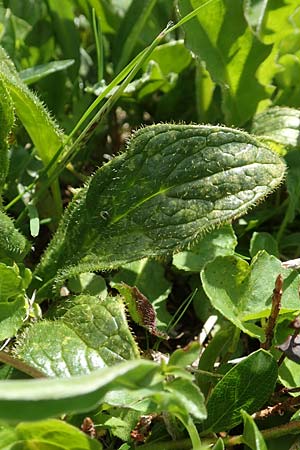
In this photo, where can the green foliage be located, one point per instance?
(26, 400)
(259, 370)
(242, 294)
(46, 435)
(251, 435)
(117, 224)
(232, 54)
(220, 242)
(169, 247)
(90, 334)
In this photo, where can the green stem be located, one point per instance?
(183, 444)
(193, 432)
(271, 433)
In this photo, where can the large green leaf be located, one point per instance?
(174, 183)
(49, 434)
(25, 400)
(247, 386)
(219, 35)
(243, 293)
(91, 334)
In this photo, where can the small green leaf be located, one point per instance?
(220, 242)
(12, 301)
(140, 309)
(243, 293)
(289, 374)
(92, 334)
(263, 241)
(149, 277)
(26, 400)
(185, 356)
(172, 57)
(37, 73)
(219, 445)
(279, 125)
(34, 221)
(252, 437)
(49, 434)
(119, 421)
(42, 129)
(182, 398)
(129, 210)
(246, 386)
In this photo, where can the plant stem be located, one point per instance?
(20, 365)
(272, 433)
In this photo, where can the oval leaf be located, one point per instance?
(92, 334)
(247, 386)
(174, 183)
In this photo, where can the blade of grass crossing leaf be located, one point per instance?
(130, 70)
(74, 148)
